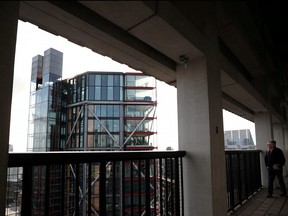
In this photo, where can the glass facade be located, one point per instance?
(93, 111)
(46, 70)
(45, 122)
(104, 87)
(139, 112)
(106, 112)
(110, 111)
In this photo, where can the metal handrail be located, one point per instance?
(61, 157)
(31, 160)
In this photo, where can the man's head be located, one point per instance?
(271, 144)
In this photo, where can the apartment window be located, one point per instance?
(97, 93)
(104, 87)
(110, 93)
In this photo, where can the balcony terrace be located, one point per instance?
(219, 54)
(259, 205)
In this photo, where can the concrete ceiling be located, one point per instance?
(150, 36)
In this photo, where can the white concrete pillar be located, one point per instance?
(8, 28)
(279, 138)
(264, 132)
(200, 134)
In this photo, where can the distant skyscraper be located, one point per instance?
(91, 111)
(238, 139)
(46, 70)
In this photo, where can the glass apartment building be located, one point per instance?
(93, 111)
(111, 111)
(46, 70)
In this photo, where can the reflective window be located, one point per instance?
(116, 127)
(116, 80)
(97, 110)
(104, 93)
(116, 93)
(110, 93)
(98, 93)
(91, 79)
(116, 110)
(105, 87)
(98, 80)
(110, 80)
(104, 80)
(103, 111)
(110, 110)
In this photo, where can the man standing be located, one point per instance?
(274, 161)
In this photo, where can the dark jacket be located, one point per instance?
(275, 157)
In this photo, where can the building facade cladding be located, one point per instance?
(46, 70)
(111, 111)
(92, 111)
(238, 139)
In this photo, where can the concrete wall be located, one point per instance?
(8, 28)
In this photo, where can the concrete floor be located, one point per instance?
(259, 205)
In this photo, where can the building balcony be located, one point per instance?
(115, 183)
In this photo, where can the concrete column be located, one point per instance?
(8, 28)
(279, 138)
(264, 132)
(200, 126)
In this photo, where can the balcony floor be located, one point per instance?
(259, 205)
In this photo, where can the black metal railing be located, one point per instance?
(126, 182)
(98, 183)
(243, 176)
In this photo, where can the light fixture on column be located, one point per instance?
(184, 60)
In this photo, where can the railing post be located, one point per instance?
(131, 188)
(123, 187)
(155, 186)
(239, 178)
(258, 170)
(166, 187)
(231, 188)
(114, 189)
(182, 189)
(77, 184)
(177, 193)
(160, 186)
(27, 191)
(89, 188)
(102, 188)
(139, 187)
(147, 187)
(47, 189)
(246, 175)
(172, 189)
(63, 167)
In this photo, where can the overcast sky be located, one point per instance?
(32, 41)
